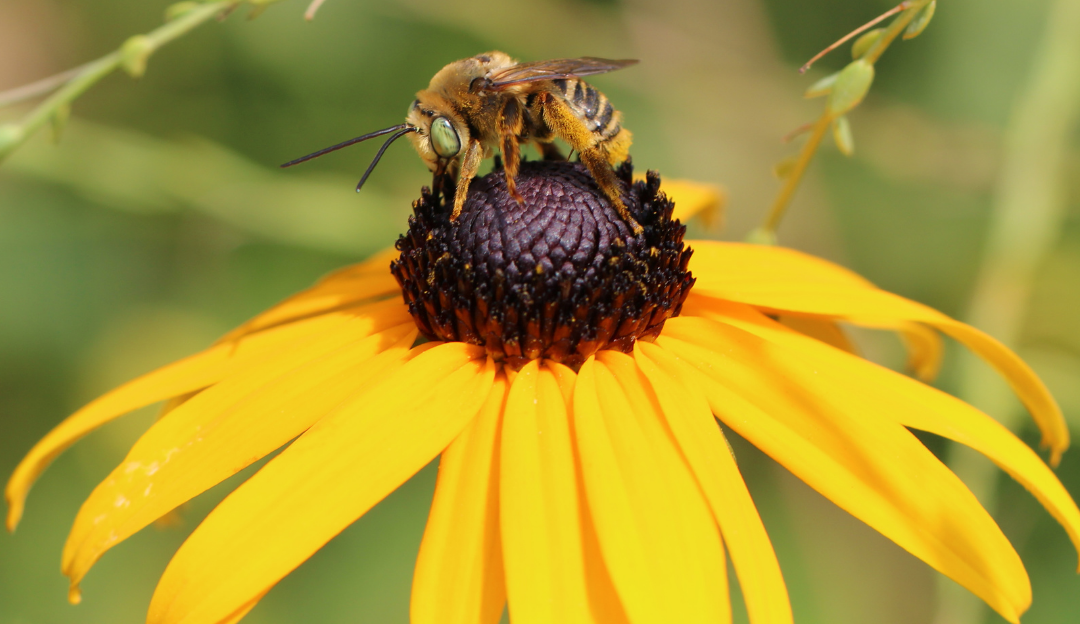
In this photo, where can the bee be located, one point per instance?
(490, 101)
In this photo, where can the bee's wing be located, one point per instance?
(553, 70)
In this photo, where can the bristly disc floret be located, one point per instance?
(559, 277)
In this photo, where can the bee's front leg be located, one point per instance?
(439, 181)
(470, 165)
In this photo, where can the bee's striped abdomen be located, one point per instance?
(589, 105)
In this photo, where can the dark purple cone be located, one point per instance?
(560, 277)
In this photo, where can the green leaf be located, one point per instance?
(850, 87)
(863, 43)
(845, 142)
(821, 87)
(921, 21)
(134, 54)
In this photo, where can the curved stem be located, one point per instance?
(767, 230)
(791, 182)
(88, 75)
(38, 88)
(896, 27)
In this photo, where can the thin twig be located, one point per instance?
(791, 182)
(89, 74)
(312, 8)
(41, 87)
(893, 11)
(803, 129)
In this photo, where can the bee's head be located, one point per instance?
(441, 133)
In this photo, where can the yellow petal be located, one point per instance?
(787, 281)
(924, 346)
(824, 329)
(226, 428)
(707, 452)
(692, 199)
(242, 611)
(658, 538)
(344, 287)
(734, 267)
(459, 572)
(325, 480)
(832, 437)
(553, 568)
(176, 402)
(187, 375)
(918, 406)
(379, 262)
(347, 290)
(734, 270)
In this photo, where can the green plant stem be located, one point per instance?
(94, 71)
(1027, 215)
(896, 27)
(39, 88)
(791, 182)
(767, 231)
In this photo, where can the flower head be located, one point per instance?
(557, 277)
(571, 381)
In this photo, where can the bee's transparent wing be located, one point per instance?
(553, 70)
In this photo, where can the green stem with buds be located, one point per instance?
(766, 233)
(780, 204)
(131, 56)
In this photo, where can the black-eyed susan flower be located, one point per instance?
(571, 380)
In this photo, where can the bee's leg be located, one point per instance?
(596, 161)
(438, 180)
(567, 126)
(512, 160)
(511, 124)
(470, 165)
(550, 151)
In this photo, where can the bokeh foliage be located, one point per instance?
(160, 221)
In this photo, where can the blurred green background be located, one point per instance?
(161, 220)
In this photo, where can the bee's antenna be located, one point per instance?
(404, 129)
(358, 139)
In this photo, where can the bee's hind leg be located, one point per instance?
(596, 157)
(597, 163)
(470, 165)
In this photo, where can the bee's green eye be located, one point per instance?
(444, 138)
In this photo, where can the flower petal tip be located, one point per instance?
(15, 511)
(74, 594)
